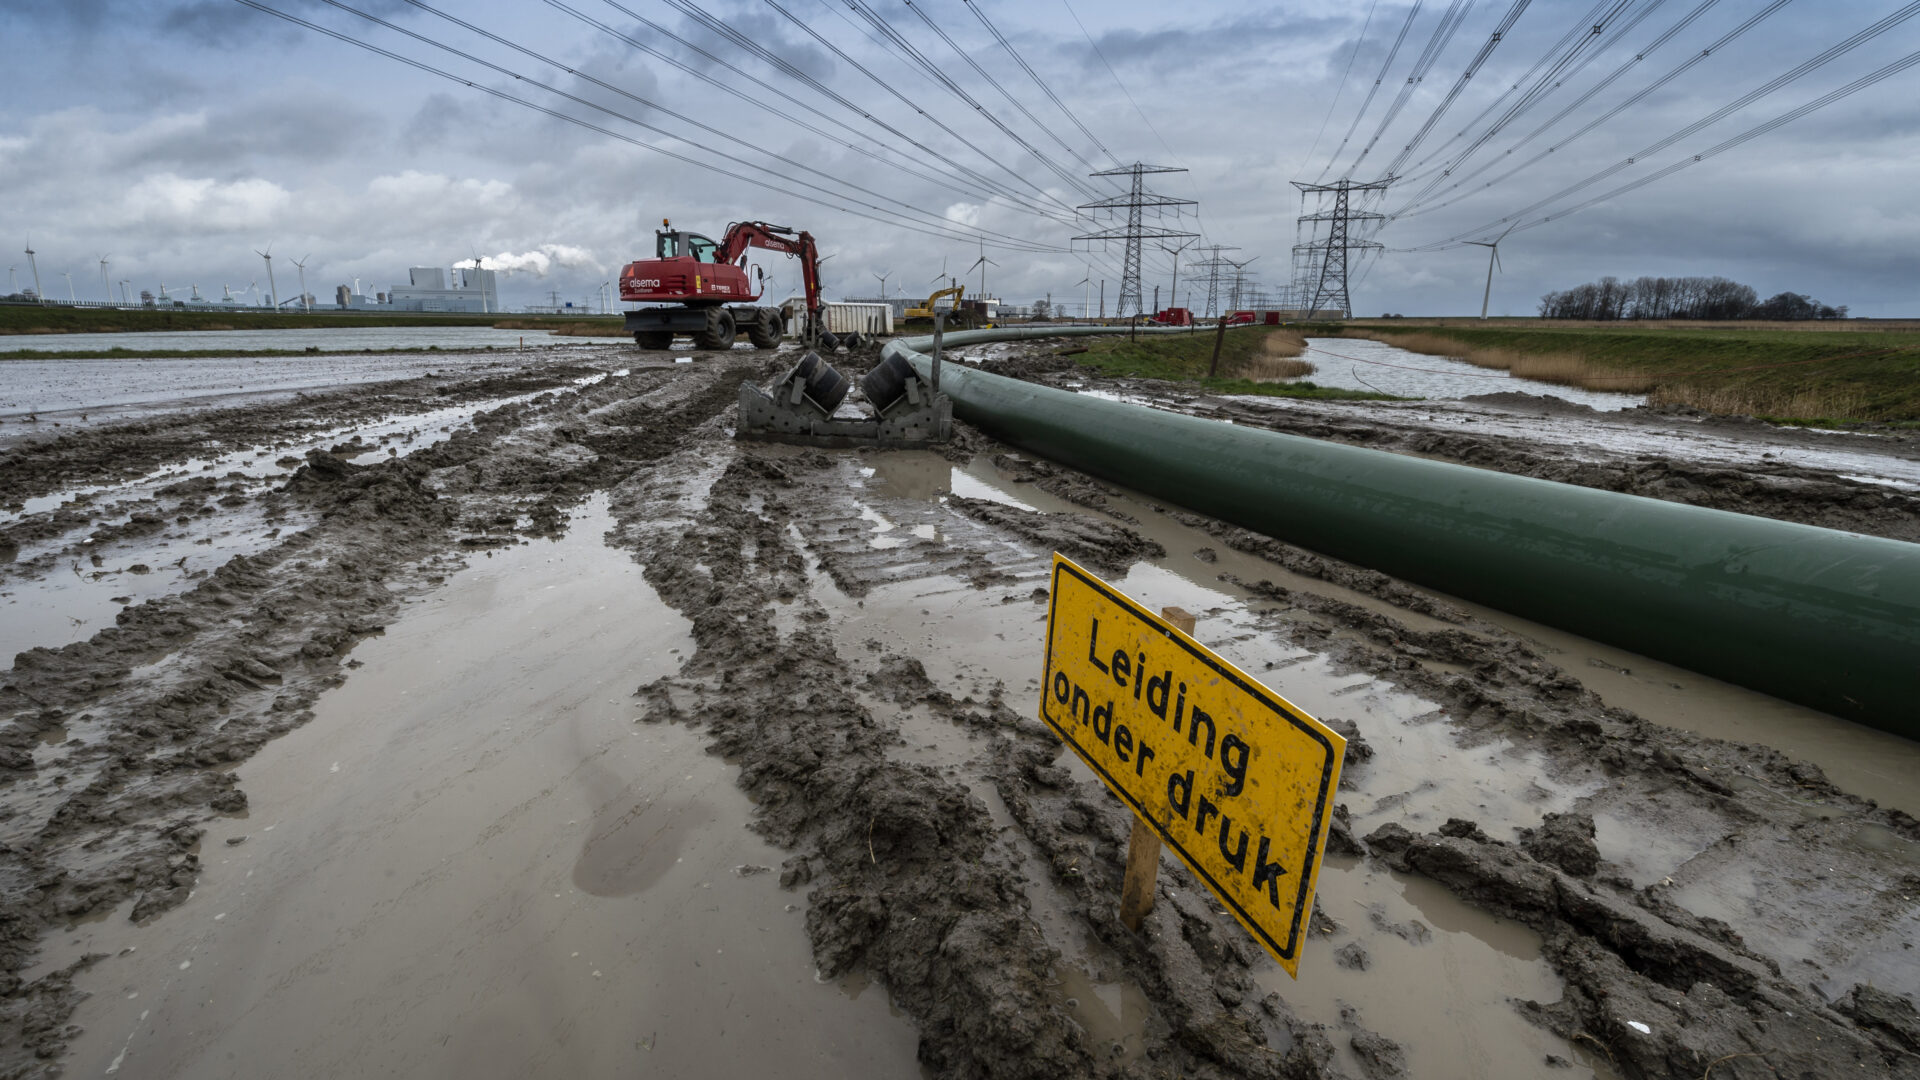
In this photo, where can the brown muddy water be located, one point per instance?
(1439, 973)
(474, 862)
(505, 843)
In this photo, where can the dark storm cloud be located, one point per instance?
(187, 147)
(226, 138)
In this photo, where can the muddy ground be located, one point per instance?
(1546, 861)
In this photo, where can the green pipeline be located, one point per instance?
(1824, 618)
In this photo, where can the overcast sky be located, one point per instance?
(178, 137)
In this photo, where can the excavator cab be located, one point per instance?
(673, 244)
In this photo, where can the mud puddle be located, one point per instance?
(1866, 761)
(95, 550)
(75, 393)
(474, 861)
(1440, 991)
(1402, 956)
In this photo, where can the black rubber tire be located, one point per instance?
(720, 331)
(886, 383)
(653, 339)
(764, 332)
(825, 385)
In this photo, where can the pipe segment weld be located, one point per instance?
(1825, 618)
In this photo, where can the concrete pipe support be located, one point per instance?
(1824, 618)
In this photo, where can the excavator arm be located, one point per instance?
(742, 235)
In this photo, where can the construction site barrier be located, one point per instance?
(1825, 618)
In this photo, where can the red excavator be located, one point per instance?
(705, 280)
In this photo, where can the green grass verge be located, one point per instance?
(1186, 358)
(1813, 376)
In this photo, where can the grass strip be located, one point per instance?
(1815, 377)
(1249, 363)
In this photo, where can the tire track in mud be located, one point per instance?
(908, 877)
(112, 750)
(885, 845)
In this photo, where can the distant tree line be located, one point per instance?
(1679, 298)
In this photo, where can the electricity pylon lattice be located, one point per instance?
(1327, 259)
(1135, 204)
(1213, 264)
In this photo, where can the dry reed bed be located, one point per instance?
(1564, 368)
(1574, 369)
(1275, 361)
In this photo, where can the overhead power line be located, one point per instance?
(889, 157)
(935, 26)
(1340, 89)
(1888, 71)
(1793, 74)
(630, 140)
(1450, 21)
(1578, 48)
(754, 48)
(1480, 58)
(683, 118)
(1385, 67)
(1634, 99)
(973, 6)
(1095, 46)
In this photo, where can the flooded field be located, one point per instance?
(519, 720)
(324, 338)
(1360, 364)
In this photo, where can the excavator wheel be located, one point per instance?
(719, 333)
(653, 339)
(765, 331)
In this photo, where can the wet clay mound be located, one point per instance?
(151, 714)
(1537, 404)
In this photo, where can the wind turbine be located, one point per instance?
(12, 273)
(1493, 260)
(301, 265)
(1173, 294)
(1086, 297)
(38, 296)
(104, 287)
(883, 284)
(273, 291)
(478, 283)
(983, 262)
(71, 299)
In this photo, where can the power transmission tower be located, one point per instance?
(1213, 264)
(1329, 283)
(1135, 203)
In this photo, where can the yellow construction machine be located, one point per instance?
(925, 311)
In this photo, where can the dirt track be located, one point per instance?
(1527, 873)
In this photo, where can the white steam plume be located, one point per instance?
(542, 259)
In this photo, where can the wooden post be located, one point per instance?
(1219, 336)
(1143, 847)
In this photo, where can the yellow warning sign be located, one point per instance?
(1236, 780)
